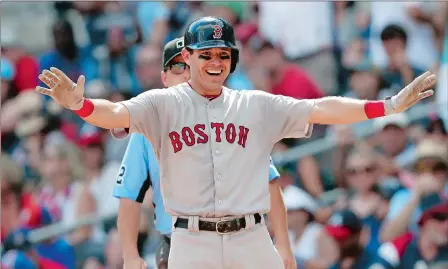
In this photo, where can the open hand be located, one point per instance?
(417, 90)
(62, 89)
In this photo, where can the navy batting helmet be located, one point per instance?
(212, 32)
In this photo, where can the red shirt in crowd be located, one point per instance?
(27, 70)
(297, 83)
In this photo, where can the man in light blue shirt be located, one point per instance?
(140, 171)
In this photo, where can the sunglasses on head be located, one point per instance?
(176, 68)
(440, 216)
(367, 170)
(431, 168)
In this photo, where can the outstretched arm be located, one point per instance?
(342, 110)
(70, 95)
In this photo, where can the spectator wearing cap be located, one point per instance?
(430, 187)
(395, 148)
(422, 250)
(398, 72)
(303, 230)
(341, 244)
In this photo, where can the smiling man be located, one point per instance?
(140, 171)
(213, 144)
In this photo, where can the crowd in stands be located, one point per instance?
(355, 204)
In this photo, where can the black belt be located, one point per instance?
(221, 227)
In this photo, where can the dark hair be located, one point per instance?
(436, 124)
(393, 31)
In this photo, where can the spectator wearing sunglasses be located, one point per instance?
(430, 187)
(428, 248)
(363, 178)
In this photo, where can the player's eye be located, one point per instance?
(224, 56)
(205, 56)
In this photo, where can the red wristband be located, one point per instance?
(86, 109)
(374, 109)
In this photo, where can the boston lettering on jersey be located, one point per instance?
(196, 135)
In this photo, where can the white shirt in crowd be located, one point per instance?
(302, 28)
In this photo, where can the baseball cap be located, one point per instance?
(399, 119)
(430, 149)
(298, 199)
(436, 211)
(342, 224)
(171, 50)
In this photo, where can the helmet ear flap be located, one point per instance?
(235, 56)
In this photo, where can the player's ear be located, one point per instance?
(186, 55)
(163, 76)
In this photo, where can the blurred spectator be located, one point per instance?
(153, 19)
(364, 82)
(147, 68)
(442, 84)
(100, 17)
(25, 65)
(421, 47)
(351, 21)
(436, 131)
(341, 244)
(396, 150)
(116, 65)
(430, 187)
(286, 79)
(427, 248)
(304, 31)
(233, 12)
(21, 213)
(399, 72)
(303, 230)
(363, 180)
(67, 56)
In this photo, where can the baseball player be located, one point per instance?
(213, 144)
(140, 170)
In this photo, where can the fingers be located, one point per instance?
(422, 77)
(425, 94)
(61, 75)
(429, 82)
(81, 81)
(43, 90)
(48, 81)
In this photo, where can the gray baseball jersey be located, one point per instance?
(214, 154)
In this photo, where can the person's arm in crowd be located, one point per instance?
(402, 209)
(160, 27)
(85, 205)
(432, 17)
(309, 172)
(343, 110)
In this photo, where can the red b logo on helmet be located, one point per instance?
(217, 33)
